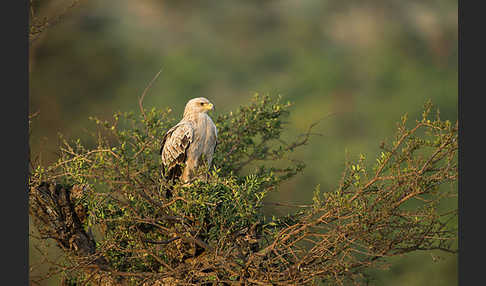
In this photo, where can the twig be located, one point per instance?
(140, 100)
(38, 26)
(287, 205)
(161, 242)
(34, 115)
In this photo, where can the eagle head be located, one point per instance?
(198, 105)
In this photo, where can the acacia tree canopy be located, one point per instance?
(105, 205)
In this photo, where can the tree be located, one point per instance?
(105, 205)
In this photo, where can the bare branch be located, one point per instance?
(140, 100)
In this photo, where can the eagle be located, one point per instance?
(190, 143)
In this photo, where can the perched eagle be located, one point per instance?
(190, 143)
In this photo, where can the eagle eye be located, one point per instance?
(201, 103)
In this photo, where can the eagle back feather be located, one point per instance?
(175, 143)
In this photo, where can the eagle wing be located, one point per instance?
(174, 147)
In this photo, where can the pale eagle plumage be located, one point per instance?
(190, 143)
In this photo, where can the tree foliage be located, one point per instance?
(105, 205)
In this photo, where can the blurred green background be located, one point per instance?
(365, 62)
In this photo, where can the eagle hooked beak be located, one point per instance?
(210, 106)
